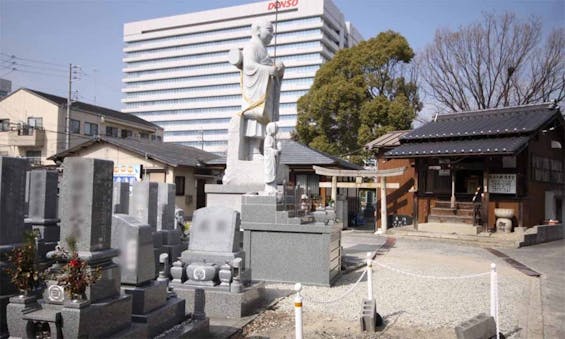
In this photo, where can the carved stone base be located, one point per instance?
(224, 304)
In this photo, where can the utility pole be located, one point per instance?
(69, 101)
(68, 118)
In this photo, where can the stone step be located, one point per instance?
(465, 212)
(450, 219)
(449, 228)
(443, 211)
(458, 204)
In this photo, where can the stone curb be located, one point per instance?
(534, 321)
(471, 240)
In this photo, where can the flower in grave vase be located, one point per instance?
(76, 274)
(23, 268)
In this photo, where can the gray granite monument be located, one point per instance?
(152, 306)
(120, 197)
(12, 227)
(166, 222)
(143, 205)
(86, 196)
(42, 212)
(214, 262)
(288, 245)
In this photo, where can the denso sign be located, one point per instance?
(282, 4)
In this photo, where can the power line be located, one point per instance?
(34, 60)
(40, 73)
(43, 68)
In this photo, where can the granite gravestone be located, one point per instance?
(86, 215)
(171, 235)
(151, 306)
(42, 210)
(214, 261)
(135, 240)
(12, 227)
(165, 207)
(143, 202)
(86, 194)
(120, 198)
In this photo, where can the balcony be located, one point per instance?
(27, 136)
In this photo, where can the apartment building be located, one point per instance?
(33, 125)
(176, 72)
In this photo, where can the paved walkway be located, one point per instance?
(549, 260)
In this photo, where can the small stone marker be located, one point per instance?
(480, 326)
(370, 319)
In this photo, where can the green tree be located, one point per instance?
(360, 94)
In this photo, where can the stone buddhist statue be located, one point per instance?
(261, 79)
(272, 152)
(261, 84)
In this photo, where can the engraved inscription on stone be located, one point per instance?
(56, 293)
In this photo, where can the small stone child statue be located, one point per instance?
(271, 152)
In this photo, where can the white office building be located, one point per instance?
(176, 72)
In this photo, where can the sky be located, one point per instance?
(46, 36)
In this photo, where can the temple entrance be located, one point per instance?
(467, 181)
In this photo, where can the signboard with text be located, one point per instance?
(502, 183)
(127, 173)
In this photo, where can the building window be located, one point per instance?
(126, 133)
(143, 135)
(35, 122)
(4, 125)
(111, 131)
(34, 157)
(74, 126)
(90, 129)
(179, 184)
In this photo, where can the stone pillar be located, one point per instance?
(384, 221)
(12, 227)
(334, 189)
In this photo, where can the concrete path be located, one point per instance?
(549, 260)
(356, 244)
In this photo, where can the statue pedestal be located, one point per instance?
(229, 195)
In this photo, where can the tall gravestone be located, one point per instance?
(86, 216)
(42, 209)
(86, 193)
(172, 244)
(120, 198)
(12, 227)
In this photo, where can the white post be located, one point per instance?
(370, 275)
(452, 204)
(298, 311)
(384, 220)
(494, 296)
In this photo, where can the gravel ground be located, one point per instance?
(411, 306)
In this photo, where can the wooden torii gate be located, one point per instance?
(382, 174)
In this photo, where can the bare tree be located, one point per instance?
(499, 61)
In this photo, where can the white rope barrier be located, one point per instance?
(369, 270)
(341, 296)
(469, 276)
